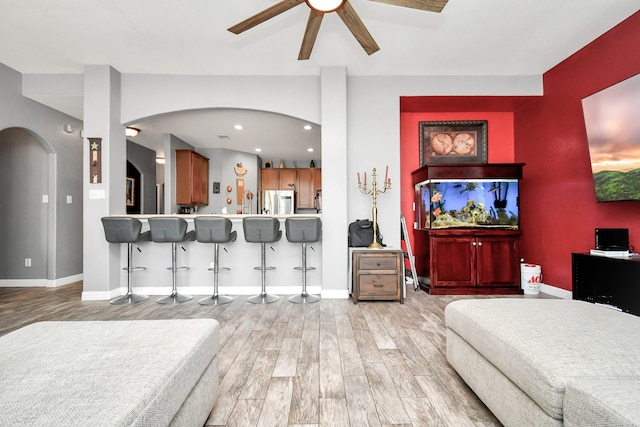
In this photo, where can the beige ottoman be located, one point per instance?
(117, 373)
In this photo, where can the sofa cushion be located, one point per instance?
(602, 403)
(543, 344)
(116, 373)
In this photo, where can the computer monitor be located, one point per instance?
(612, 239)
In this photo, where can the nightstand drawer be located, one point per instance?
(378, 262)
(379, 284)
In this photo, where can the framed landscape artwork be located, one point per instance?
(613, 135)
(453, 142)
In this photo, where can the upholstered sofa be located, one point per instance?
(115, 373)
(548, 362)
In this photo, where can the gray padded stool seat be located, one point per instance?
(216, 230)
(129, 231)
(172, 230)
(303, 230)
(263, 230)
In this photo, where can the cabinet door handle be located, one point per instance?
(473, 243)
(378, 285)
(479, 243)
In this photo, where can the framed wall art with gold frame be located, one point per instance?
(453, 142)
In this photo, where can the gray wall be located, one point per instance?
(51, 233)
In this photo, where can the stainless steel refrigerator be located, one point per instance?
(278, 202)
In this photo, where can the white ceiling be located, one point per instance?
(469, 37)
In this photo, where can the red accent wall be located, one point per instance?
(547, 133)
(558, 196)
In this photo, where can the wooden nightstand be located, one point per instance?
(377, 275)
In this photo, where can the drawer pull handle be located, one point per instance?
(378, 285)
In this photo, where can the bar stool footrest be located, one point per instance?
(308, 268)
(266, 268)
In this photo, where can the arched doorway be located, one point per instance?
(28, 208)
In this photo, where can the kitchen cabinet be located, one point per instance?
(474, 262)
(288, 179)
(269, 179)
(277, 179)
(192, 178)
(307, 187)
(305, 181)
(377, 275)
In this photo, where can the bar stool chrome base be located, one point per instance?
(304, 298)
(174, 298)
(129, 298)
(215, 300)
(263, 298)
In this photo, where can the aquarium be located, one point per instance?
(450, 203)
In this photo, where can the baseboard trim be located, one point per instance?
(556, 292)
(40, 283)
(202, 291)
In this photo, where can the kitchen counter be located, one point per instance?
(241, 257)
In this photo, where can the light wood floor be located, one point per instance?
(331, 363)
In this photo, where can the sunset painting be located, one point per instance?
(613, 132)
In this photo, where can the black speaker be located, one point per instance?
(612, 239)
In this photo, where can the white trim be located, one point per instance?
(335, 294)
(556, 292)
(64, 281)
(33, 283)
(200, 291)
(23, 283)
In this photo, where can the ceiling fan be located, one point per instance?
(344, 10)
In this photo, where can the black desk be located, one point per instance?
(607, 280)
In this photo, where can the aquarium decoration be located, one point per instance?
(468, 203)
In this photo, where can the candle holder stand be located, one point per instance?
(373, 192)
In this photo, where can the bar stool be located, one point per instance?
(262, 230)
(303, 230)
(126, 230)
(171, 230)
(215, 230)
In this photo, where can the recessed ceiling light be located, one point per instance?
(310, 150)
(238, 127)
(224, 137)
(258, 150)
(307, 127)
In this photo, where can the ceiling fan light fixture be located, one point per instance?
(324, 6)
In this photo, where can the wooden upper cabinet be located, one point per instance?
(317, 178)
(192, 178)
(306, 188)
(305, 181)
(288, 179)
(270, 179)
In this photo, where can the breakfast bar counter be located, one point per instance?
(241, 257)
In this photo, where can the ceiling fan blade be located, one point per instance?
(428, 5)
(266, 14)
(357, 28)
(310, 34)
